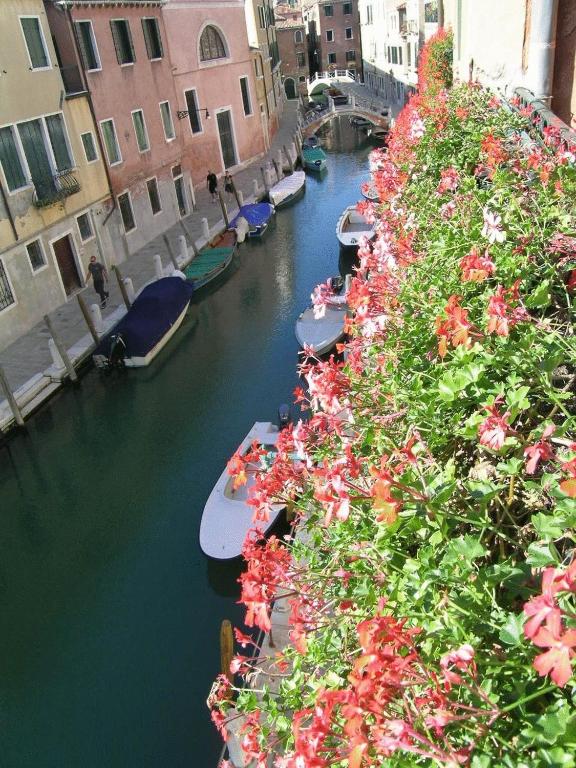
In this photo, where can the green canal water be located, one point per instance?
(109, 612)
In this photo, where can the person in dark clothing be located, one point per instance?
(228, 184)
(212, 183)
(99, 274)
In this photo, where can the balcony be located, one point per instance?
(409, 27)
(55, 188)
(72, 79)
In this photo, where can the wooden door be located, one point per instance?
(67, 264)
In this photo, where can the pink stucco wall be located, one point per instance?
(217, 82)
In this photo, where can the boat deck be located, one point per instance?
(360, 226)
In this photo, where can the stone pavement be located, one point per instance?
(30, 355)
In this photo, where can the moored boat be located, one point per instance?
(257, 217)
(288, 189)
(212, 260)
(312, 141)
(351, 226)
(360, 122)
(227, 516)
(370, 192)
(378, 134)
(321, 334)
(152, 320)
(315, 158)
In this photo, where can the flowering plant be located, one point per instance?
(432, 589)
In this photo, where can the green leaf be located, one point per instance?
(540, 296)
(512, 632)
(539, 555)
(548, 527)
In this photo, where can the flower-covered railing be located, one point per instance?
(433, 598)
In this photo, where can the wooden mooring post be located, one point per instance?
(121, 285)
(18, 418)
(195, 250)
(88, 317)
(224, 211)
(61, 350)
(226, 649)
(170, 251)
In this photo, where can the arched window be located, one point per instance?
(212, 45)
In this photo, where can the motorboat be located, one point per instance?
(311, 141)
(152, 320)
(351, 226)
(253, 217)
(288, 189)
(227, 516)
(212, 260)
(315, 159)
(321, 334)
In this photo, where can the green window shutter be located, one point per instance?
(10, 159)
(110, 141)
(122, 41)
(34, 42)
(152, 38)
(117, 41)
(85, 41)
(55, 125)
(140, 130)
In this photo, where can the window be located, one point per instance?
(329, 35)
(301, 59)
(257, 67)
(140, 130)
(89, 147)
(347, 9)
(11, 160)
(122, 41)
(394, 55)
(328, 10)
(125, 205)
(331, 58)
(431, 12)
(59, 143)
(6, 295)
(274, 53)
(36, 255)
(212, 45)
(166, 114)
(179, 190)
(193, 114)
(87, 45)
(154, 196)
(262, 17)
(152, 38)
(245, 96)
(399, 55)
(350, 55)
(35, 43)
(298, 36)
(110, 141)
(85, 227)
(409, 54)
(368, 14)
(348, 33)
(302, 79)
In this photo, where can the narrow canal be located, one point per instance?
(109, 612)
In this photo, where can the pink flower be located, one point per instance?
(493, 430)
(540, 451)
(557, 660)
(475, 267)
(492, 229)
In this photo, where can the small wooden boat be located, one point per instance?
(352, 226)
(152, 320)
(227, 516)
(360, 122)
(212, 260)
(315, 159)
(257, 217)
(288, 189)
(370, 192)
(323, 333)
(312, 141)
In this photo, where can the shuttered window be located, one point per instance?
(89, 146)
(111, 142)
(192, 107)
(154, 196)
(167, 122)
(10, 159)
(245, 95)
(152, 38)
(122, 41)
(125, 205)
(56, 132)
(140, 130)
(87, 45)
(6, 295)
(35, 42)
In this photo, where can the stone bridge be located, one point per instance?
(354, 107)
(323, 80)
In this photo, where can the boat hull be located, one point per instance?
(351, 227)
(324, 333)
(140, 362)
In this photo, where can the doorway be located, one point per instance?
(64, 252)
(289, 88)
(226, 138)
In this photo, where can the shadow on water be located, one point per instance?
(110, 612)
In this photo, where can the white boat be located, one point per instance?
(323, 333)
(352, 226)
(227, 516)
(287, 189)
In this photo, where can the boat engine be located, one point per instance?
(284, 416)
(117, 351)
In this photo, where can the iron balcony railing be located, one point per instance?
(53, 189)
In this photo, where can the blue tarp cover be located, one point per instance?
(256, 214)
(151, 316)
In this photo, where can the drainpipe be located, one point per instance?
(542, 45)
(9, 212)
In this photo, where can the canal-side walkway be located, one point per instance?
(28, 363)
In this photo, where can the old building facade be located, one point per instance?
(334, 38)
(293, 47)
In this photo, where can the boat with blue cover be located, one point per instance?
(152, 320)
(257, 217)
(315, 159)
(212, 260)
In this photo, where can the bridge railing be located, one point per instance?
(336, 74)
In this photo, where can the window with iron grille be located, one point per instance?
(431, 12)
(11, 161)
(125, 205)
(152, 38)
(35, 42)
(87, 45)
(36, 255)
(6, 295)
(123, 41)
(154, 195)
(212, 45)
(85, 227)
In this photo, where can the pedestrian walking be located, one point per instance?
(212, 183)
(98, 272)
(228, 183)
